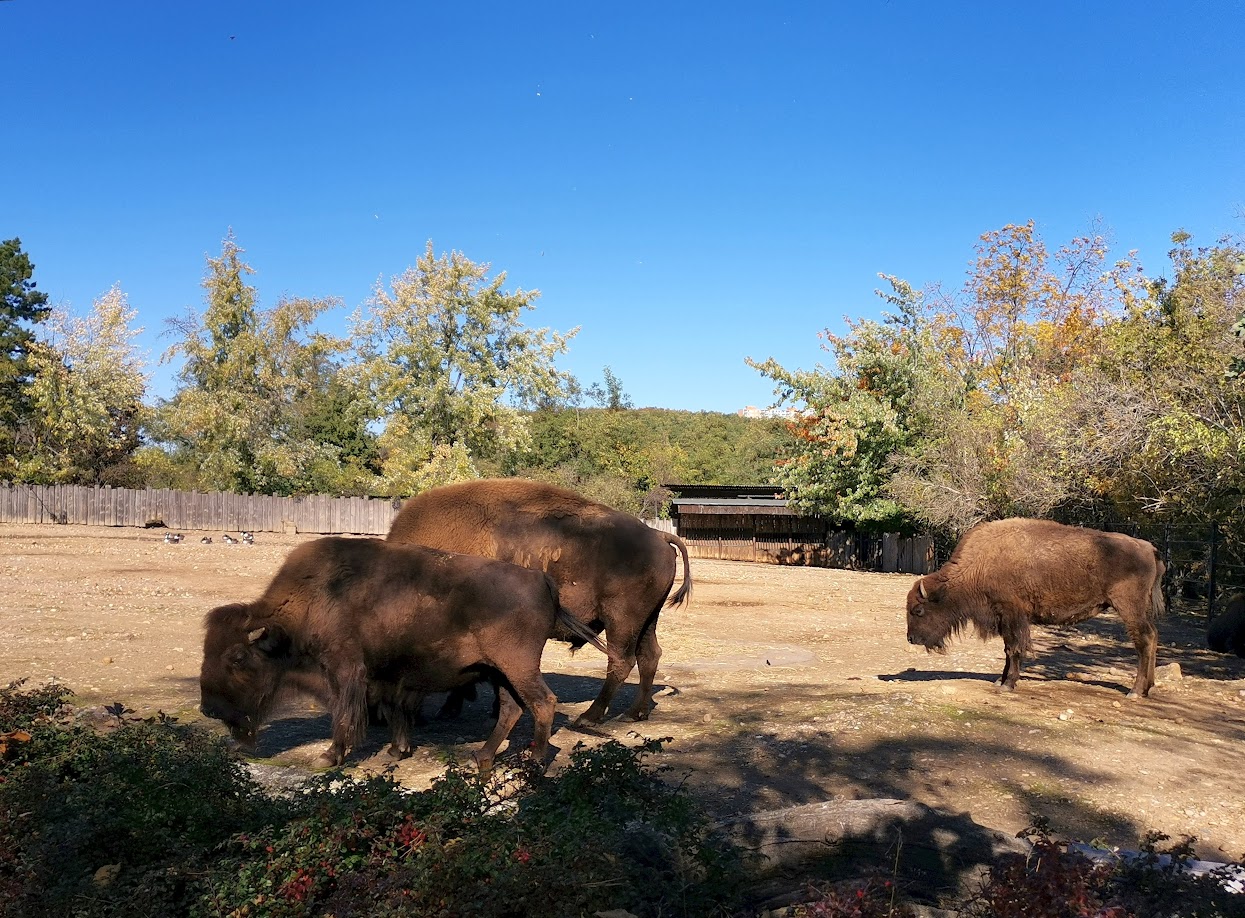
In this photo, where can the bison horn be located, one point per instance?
(921, 587)
(256, 635)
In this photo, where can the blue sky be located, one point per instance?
(692, 184)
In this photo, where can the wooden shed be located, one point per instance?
(755, 523)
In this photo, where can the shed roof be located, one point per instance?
(735, 505)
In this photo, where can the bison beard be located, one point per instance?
(359, 621)
(614, 572)
(1006, 575)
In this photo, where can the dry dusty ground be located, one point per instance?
(779, 686)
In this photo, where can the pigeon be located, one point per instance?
(248, 538)
(229, 540)
(206, 540)
(172, 538)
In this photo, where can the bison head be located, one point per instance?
(930, 619)
(243, 664)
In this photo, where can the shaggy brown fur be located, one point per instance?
(361, 619)
(1005, 575)
(1227, 631)
(613, 572)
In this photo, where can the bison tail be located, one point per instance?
(583, 632)
(684, 592)
(1158, 604)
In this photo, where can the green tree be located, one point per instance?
(244, 416)
(86, 391)
(1169, 391)
(1017, 341)
(449, 367)
(858, 416)
(609, 394)
(21, 306)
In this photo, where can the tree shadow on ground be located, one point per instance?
(937, 764)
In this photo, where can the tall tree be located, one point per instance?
(449, 365)
(857, 416)
(1170, 364)
(86, 391)
(1017, 337)
(609, 394)
(239, 417)
(21, 306)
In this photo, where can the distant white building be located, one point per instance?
(751, 411)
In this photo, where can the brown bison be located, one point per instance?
(613, 572)
(1227, 631)
(1005, 575)
(365, 620)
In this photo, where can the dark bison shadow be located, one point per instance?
(933, 675)
(292, 728)
(1084, 650)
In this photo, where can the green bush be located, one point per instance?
(94, 818)
(129, 816)
(605, 833)
(117, 815)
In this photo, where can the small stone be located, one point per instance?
(1065, 716)
(1169, 673)
(1115, 704)
(106, 660)
(106, 874)
(708, 718)
(169, 668)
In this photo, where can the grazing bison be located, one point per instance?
(613, 572)
(366, 621)
(1004, 576)
(1227, 631)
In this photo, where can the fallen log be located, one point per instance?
(933, 855)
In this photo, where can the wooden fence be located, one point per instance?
(103, 506)
(887, 553)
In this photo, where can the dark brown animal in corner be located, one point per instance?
(366, 620)
(1005, 575)
(1227, 631)
(613, 572)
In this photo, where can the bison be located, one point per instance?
(613, 572)
(1005, 575)
(1227, 631)
(364, 620)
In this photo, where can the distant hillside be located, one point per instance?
(620, 456)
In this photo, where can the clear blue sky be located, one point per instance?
(690, 183)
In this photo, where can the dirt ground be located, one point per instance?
(778, 686)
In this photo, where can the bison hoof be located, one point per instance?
(589, 718)
(397, 752)
(640, 714)
(324, 760)
(1001, 687)
(484, 762)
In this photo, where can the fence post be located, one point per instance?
(1214, 559)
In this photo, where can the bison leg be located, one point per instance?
(615, 675)
(1011, 669)
(1015, 643)
(453, 705)
(404, 714)
(507, 717)
(348, 684)
(648, 654)
(1146, 638)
